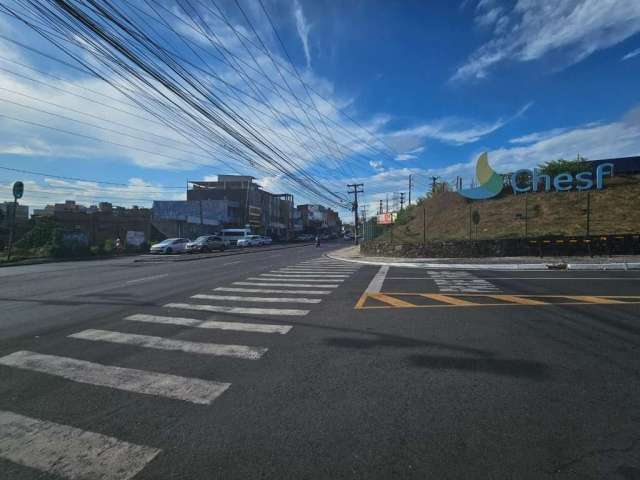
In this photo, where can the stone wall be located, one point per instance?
(547, 246)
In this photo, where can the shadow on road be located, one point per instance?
(498, 366)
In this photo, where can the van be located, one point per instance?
(232, 235)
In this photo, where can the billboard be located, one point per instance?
(386, 218)
(135, 237)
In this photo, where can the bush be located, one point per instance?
(108, 246)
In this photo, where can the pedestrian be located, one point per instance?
(317, 241)
(118, 244)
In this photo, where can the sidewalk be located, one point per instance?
(627, 262)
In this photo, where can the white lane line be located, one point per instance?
(268, 284)
(375, 286)
(211, 324)
(267, 290)
(238, 310)
(188, 389)
(287, 278)
(231, 263)
(239, 298)
(69, 452)
(146, 279)
(161, 343)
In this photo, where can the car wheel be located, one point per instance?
(168, 251)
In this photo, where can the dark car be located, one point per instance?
(206, 243)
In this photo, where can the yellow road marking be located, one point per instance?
(594, 299)
(458, 300)
(518, 299)
(396, 302)
(448, 299)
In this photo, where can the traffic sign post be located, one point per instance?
(18, 191)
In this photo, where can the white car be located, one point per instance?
(251, 241)
(170, 245)
(266, 240)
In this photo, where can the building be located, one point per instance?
(266, 213)
(318, 219)
(6, 212)
(102, 222)
(190, 218)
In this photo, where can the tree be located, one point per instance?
(555, 167)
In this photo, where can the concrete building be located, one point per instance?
(266, 213)
(191, 218)
(319, 219)
(6, 211)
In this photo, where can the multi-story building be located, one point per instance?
(266, 213)
(319, 219)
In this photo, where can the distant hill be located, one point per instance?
(614, 210)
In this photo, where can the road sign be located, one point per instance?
(18, 190)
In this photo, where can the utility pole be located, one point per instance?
(401, 201)
(380, 210)
(387, 210)
(356, 188)
(433, 184)
(410, 187)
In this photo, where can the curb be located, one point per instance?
(497, 266)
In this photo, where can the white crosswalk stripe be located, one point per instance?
(302, 278)
(461, 282)
(261, 282)
(289, 279)
(237, 310)
(314, 270)
(161, 343)
(292, 275)
(211, 324)
(237, 298)
(188, 389)
(69, 452)
(269, 290)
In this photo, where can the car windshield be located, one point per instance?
(201, 239)
(168, 241)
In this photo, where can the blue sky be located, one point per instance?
(430, 84)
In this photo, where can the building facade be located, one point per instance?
(266, 213)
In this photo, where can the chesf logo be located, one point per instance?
(489, 182)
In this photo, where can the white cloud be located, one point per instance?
(533, 29)
(451, 130)
(631, 54)
(303, 29)
(410, 155)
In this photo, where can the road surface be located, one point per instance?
(287, 364)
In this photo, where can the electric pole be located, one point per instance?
(433, 184)
(387, 211)
(381, 210)
(356, 188)
(410, 187)
(401, 201)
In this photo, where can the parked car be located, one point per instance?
(251, 241)
(170, 245)
(267, 240)
(348, 236)
(206, 243)
(305, 237)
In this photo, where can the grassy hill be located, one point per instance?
(614, 210)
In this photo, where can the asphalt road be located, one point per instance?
(290, 365)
